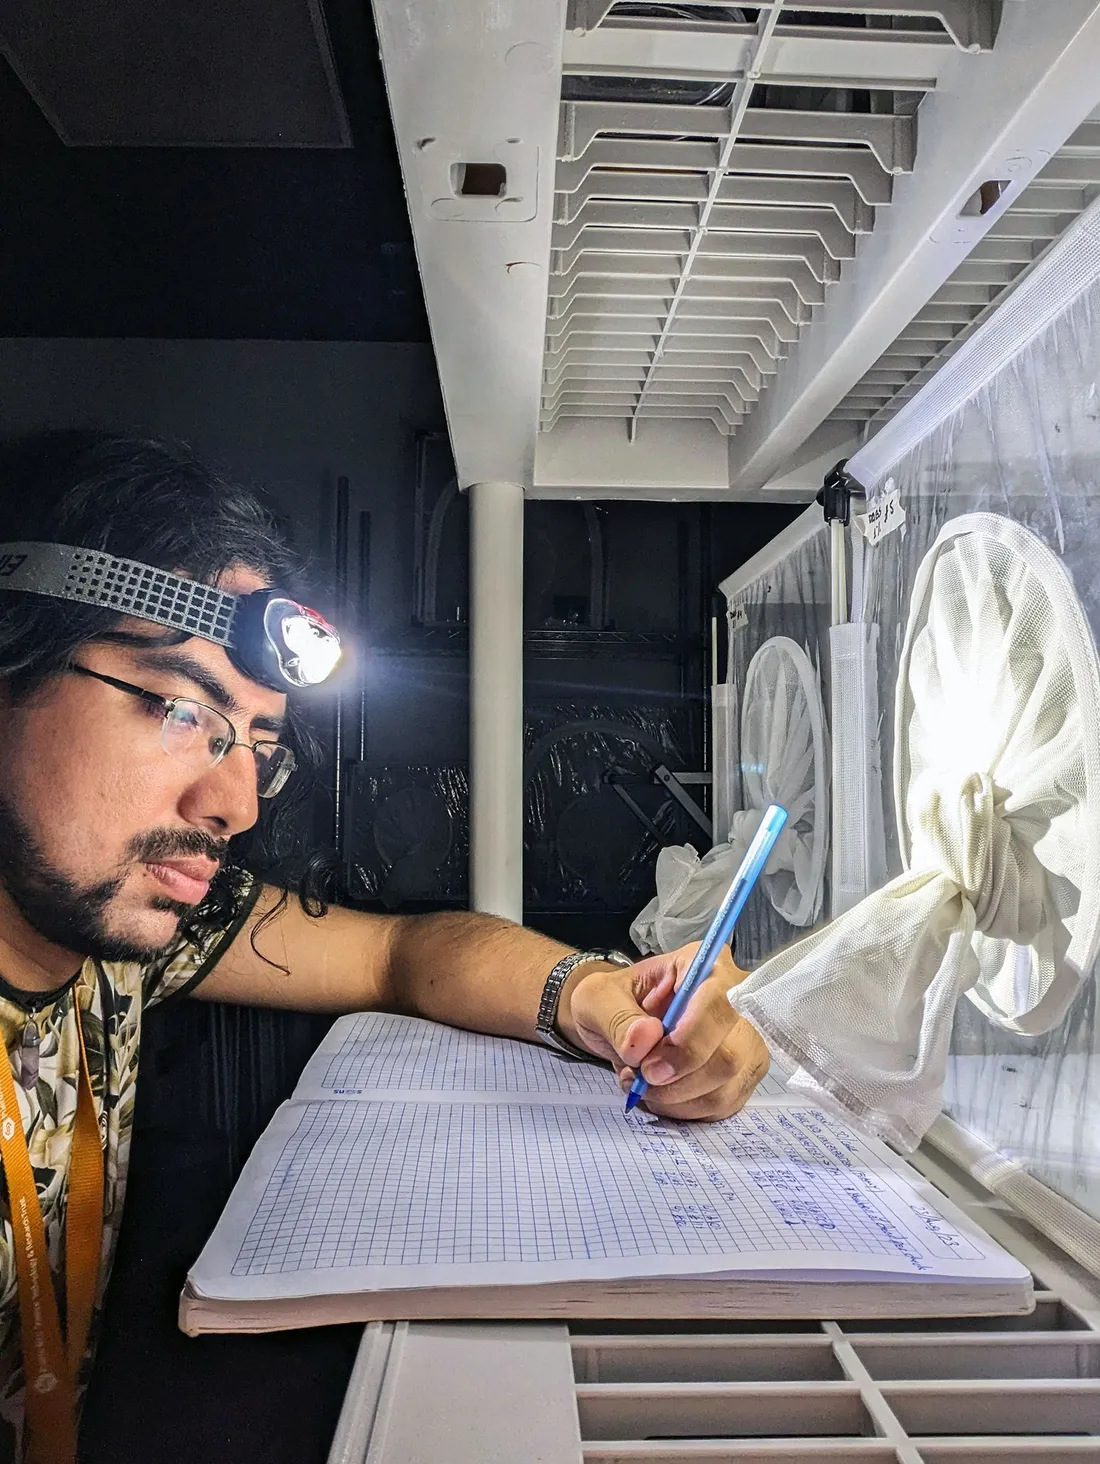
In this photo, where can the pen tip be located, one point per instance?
(632, 1101)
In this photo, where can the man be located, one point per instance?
(139, 763)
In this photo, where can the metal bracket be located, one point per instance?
(672, 782)
(836, 494)
(614, 782)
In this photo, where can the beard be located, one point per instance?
(76, 917)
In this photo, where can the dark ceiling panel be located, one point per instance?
(226, 243)
(229, 245)
(160, 73)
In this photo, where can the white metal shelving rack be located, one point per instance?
(1011, 1390)
(1059, 193)
(688, 249)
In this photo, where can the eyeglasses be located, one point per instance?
(200, 736)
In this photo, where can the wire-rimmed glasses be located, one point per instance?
(200, 736)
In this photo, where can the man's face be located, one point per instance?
(106, 839)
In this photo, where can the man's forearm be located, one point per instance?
(474, 971)
(488, 975)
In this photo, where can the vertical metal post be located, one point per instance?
(363, 623)
(496, 699)
(703, 570)
(340, 555)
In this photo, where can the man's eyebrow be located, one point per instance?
(179, 663)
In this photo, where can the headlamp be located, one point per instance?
(281, 643)
(274, 640)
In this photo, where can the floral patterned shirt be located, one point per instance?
(112, 996)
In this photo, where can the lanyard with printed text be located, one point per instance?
(51, 1366)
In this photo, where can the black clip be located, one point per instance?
(836, 494)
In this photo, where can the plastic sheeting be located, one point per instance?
(791, 597)
(409, 835)
(585, 847)
(1026, 444)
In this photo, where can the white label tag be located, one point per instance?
(737, 619)
(885, 516)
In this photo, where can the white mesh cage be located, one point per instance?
(997, 780)
(858, 835)
(783, 760)
(777, 750)
(782, 592)
(1009, 426)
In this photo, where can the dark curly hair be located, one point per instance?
(154, 501)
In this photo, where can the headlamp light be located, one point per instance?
(274, 640)
(280, 643)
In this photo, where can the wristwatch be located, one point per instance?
(546, 1023)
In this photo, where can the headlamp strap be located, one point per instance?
(91, 577)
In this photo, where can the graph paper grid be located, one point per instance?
(376, 1051)
(397, 1186)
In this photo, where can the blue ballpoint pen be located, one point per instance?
(721, 928)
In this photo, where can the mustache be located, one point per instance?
(161, 844)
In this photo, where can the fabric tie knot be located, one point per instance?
(965, 832)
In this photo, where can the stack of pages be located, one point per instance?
(423, 1172)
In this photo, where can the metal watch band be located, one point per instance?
(547, 1019)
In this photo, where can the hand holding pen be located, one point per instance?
(721, 928)
(706, 1069)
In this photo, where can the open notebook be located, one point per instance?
(422, 1172)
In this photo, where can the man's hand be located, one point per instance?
(705, 1068)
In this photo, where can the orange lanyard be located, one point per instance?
(50, 1367)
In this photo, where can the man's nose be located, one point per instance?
(225, 798)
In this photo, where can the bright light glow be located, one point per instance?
(315, 648)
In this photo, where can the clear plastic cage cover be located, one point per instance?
(1010, 428)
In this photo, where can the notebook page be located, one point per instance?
(344, 1197)
(378, 1055)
